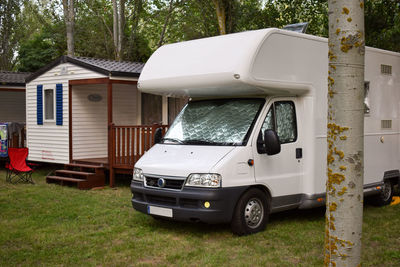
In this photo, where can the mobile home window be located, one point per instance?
(281, 118)
(48, 104)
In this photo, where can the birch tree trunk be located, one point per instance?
(118, 27)
(115, 28)
(221, 17)
(135, 24)
(69, 17)
(345, 167)
(121, 26)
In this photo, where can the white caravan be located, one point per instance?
(220, 160)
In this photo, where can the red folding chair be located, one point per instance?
(17, 169)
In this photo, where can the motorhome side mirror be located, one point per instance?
(272, 144)
(157, 136)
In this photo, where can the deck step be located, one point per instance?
(69, 179)
(88, 162)
(88, 166)
(70, 172)
(83, 176)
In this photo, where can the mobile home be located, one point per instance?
(88, 111)
(213, 166)
(12, 105)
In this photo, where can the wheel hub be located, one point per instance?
(253, 213)
(387, 191)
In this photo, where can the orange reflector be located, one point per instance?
(250, 162)
(320, 199)
(378, 187)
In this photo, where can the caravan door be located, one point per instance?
(281, 173)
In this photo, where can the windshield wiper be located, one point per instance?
(175, 140)
(201, 142)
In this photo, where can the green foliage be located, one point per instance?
(286, 12)
(187, 20)
(9, 11)
(93, 29)
(37, 52)
(382, 24)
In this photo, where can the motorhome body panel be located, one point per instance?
(381, 128)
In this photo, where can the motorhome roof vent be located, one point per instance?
(386, 69)
(386, 124)
(298, 27)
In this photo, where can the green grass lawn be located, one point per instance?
(51, 225)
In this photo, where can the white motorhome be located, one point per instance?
(220, 160)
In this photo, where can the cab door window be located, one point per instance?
(281, 118)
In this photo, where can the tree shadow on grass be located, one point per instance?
(315, 214)
(200, 229)
(194, 228)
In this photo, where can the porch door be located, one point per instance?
(175, 106)
(283, 172)
(151, 109)
(89, 121)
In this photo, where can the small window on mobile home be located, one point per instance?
(48, 102)
(366, 98)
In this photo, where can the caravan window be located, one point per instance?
(281, 117)
(366, 98)
(48, 104)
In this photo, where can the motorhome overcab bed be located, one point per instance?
(252, 140)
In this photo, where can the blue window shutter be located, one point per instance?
(59, 104)
(39, 103)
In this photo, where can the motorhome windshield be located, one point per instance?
(214, 122)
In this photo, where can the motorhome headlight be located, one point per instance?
(138, 175)
(204, 180)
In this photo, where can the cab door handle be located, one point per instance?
(299, 153)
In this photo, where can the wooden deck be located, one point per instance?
(119, 168)
(126, 145)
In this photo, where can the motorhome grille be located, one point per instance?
(386, 69)
(161, 200)
(386, 124)
(175, 184)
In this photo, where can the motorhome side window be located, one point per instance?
(281, 118)
(366, 98)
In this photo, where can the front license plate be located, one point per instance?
(159, 211)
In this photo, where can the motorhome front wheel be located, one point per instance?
(251, 213)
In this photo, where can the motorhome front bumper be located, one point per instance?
(209, 205)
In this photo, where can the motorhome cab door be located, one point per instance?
(281, 173)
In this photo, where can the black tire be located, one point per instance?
(385, 196)
(251, 213)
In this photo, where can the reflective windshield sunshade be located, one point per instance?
(221, 122)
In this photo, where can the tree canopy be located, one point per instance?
(33, 32)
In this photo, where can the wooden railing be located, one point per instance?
(129, 143)
(17, 139)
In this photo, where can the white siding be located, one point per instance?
(12, 106)
(125, 104)
(50, 142)
(89, 122)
